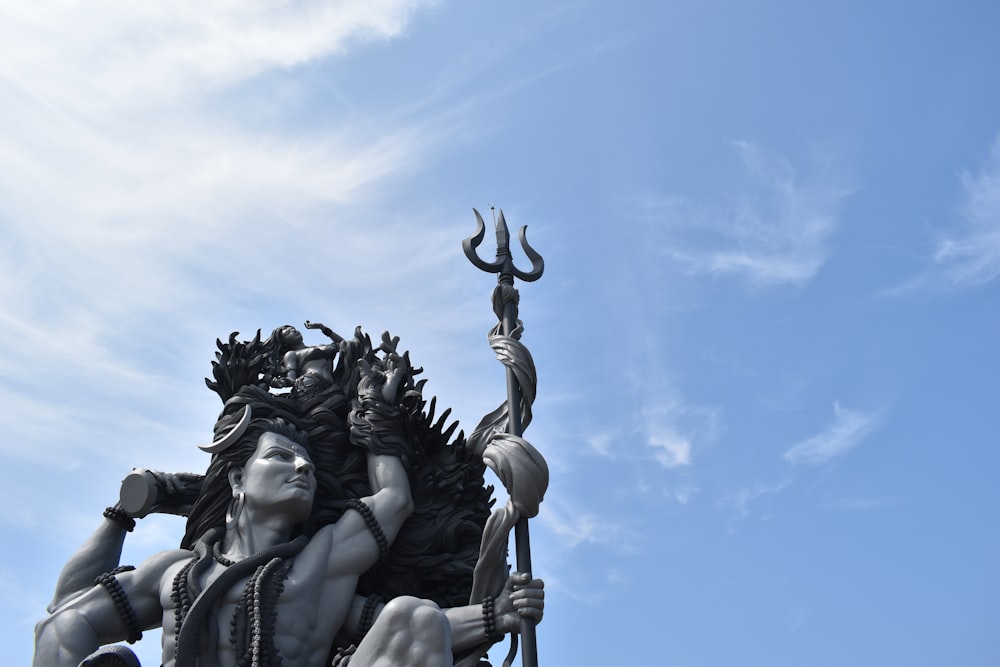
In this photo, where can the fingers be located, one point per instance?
(389, 342)
(530, 602)
(520, 580)
(535, 589)
(528, 596)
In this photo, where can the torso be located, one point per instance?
(311, 609)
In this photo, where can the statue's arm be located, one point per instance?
(291, 362)
(327, 331)
(79, 627)
(356, 538)
(521, 597)
(100, 553)
(365, 532)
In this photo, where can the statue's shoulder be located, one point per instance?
(161, 564)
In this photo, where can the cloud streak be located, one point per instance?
(673, 427)
(967, 255)
(578, 527)
(741, 499)
(849, 428)
(778, 233)
(105, 55)
(970, 255)
(122, 181)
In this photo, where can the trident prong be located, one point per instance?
(504, 263)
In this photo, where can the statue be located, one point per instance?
(337, 522)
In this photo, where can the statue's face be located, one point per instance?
(279, 477)
(291, 336)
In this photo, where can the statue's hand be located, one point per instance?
(395, 368)
(327, 331)
(522, 596)
(178, 482)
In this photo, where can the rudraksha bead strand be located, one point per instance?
(120, 516)
(490, 620)
(122, 605)
(373, 526)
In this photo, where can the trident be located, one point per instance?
(505, 299)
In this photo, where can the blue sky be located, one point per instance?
(767, 335)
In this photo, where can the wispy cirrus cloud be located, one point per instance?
(577, 526)
(133, 167)
(672, 427)
(968, 254)
(848, 429)
(739, 501)
(144, 54)
(778, 232)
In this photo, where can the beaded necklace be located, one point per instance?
(252, 625)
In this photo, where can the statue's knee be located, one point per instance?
(417, 631)
(411, 612)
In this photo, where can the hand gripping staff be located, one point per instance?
(520, 467)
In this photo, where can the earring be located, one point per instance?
(235, 508)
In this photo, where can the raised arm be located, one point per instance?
(365, 532)
(116, 610)
(391, 503)
(327, 331)
(100, 553)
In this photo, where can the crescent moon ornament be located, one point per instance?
(230, 438)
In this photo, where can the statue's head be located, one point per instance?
(287, 337)
(278, 478)
(267, 459)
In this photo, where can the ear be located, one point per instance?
(236, 479)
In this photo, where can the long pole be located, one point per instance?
(522, 539)
(504, 267)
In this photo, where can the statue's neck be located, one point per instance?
(252, 534)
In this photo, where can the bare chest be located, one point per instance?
(269, 612)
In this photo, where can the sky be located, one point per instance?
(767, 336)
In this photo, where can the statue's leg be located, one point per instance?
(408, 632)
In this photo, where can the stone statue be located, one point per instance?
(337, 522)
(291, 533)
(307, 368)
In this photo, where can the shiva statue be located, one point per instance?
(336, 523)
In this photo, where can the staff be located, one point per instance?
(505, 300)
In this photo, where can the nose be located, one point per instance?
(303, 465)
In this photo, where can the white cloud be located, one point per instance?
(600, 442)
(577, 527)
(99, 55)
(672, 428)
(127, 175)
(848, 429)
(741, 499)
(683, 493)
(778, 232)
(968, 254)
(672, 449)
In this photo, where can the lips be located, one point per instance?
(301, 482)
